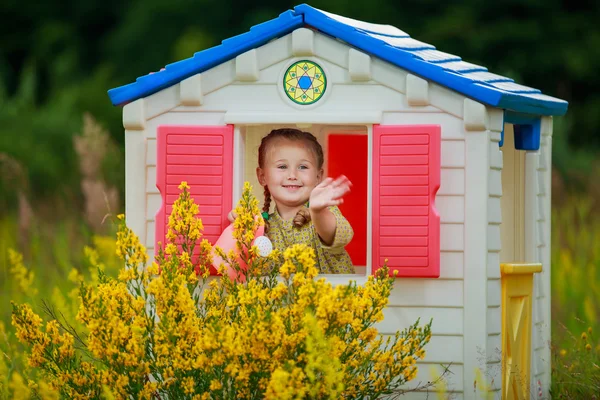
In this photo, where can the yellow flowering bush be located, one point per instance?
(171, 330)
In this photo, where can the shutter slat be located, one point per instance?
(404, 170)
(404, 200)
(195, 160)
(399, 262)
(393, 231)
(197, 189)
(206, 139)
(194, 150)
(403, 160)
(191, 170)
(405, 150)
(406, 177)
(403, 241)
(192, 180)
(404, 180)
(404, 139)
(403, 210)
(420, 251)
(406, 190)
(411, 221)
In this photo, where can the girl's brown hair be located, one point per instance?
(303, 215)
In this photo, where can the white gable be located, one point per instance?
(361, 88)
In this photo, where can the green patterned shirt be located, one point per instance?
(332, 259)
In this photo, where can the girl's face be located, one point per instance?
(290, 172)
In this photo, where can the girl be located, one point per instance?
(290, 168)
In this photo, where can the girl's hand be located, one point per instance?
(329, 193)
(231, 216)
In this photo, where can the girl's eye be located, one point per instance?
(282, 166)
(303, 167)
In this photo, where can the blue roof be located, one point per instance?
(383, 41)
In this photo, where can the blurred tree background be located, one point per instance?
(59, 58)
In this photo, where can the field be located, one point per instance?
(54, 261)
(576, 298)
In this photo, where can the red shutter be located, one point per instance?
(406, 177)
(347, 154)
(203, 157)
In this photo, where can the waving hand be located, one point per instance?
(330, 192)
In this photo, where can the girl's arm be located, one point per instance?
(328, 193)
(325, 225)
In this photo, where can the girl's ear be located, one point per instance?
(260, 175)
(320, 175)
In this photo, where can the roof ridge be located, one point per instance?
(386, 42)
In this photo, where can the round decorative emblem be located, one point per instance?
(304, 82)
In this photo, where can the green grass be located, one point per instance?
(576, 263)
(576, 299)
(51, 252)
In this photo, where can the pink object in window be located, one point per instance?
(227, 243)
(203, 157)
(406, 177)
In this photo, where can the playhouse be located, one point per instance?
(450, 165)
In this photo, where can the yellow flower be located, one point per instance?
(188, 385)
(74, 276)
(129, 247)
(47, 392)
(127, 274)
(588, 347)
(183, 185)
(584, 336)
(215, 385)
(149, 390)
(96, 266)
(563, 352)
(247, 220)
(27, 324)
(171, 249)
(17, 386)
(153, 269)
(22, 276)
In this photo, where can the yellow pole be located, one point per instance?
(517, 302)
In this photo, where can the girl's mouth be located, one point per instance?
(292, 187)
